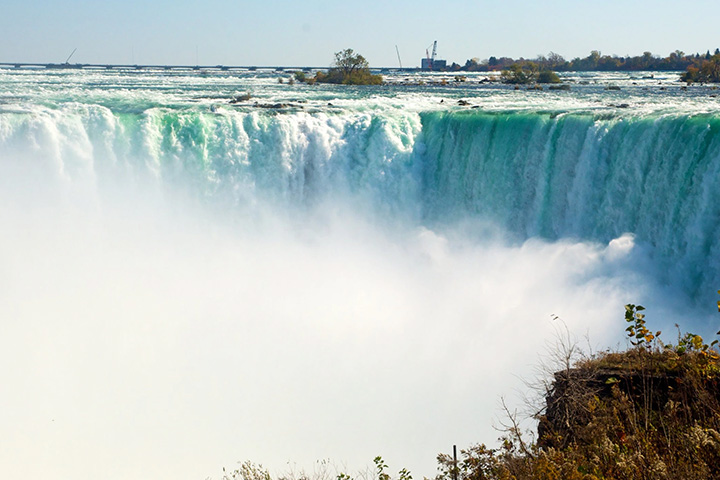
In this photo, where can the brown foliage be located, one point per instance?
(649, 413)
(706, 71)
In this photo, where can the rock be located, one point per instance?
(241, 98)
(567, 414)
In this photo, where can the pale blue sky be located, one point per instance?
(307, 32)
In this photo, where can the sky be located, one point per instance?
(307, 33)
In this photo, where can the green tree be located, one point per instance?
(349, 62)
(520, 73)
(349, 68)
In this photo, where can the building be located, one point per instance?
(428, 64)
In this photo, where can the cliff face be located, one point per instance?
(654, 409)
(576, 393)
(648, 413)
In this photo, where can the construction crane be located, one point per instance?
(67, 62)
(431, 59)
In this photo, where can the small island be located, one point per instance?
(349, 68)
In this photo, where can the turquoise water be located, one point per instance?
(326, 271)
(590, 164)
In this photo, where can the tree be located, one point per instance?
(349, 68)
(521, 73)
(348, 62)
(472, 65)
(555, 60)
(708, 71)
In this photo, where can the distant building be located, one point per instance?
(427, 64)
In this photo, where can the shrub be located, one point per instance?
(548, 76)
(520, 73)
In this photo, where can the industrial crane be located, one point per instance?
(431, 59)
(67, 62)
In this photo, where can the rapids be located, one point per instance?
(326, 271)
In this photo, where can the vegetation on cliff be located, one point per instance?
(650, 412)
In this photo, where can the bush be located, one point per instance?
(548, 76)
(520, 73)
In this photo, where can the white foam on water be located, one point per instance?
(181, 290)
(156, 339)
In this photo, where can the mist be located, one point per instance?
(147, 334)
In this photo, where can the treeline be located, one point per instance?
(596, 61)
(705, 71)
